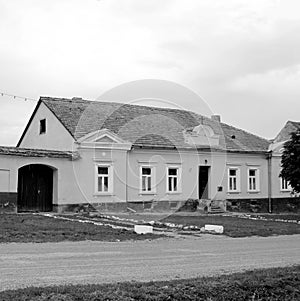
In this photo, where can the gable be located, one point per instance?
(55, 136)
(285, 132)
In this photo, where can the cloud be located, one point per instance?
(221, 49)
(276, 83)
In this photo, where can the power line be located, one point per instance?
(17, 97)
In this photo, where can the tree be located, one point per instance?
(290, 161)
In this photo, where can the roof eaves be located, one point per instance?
(28, 152)
(28, 123)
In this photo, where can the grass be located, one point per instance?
(237, 227)
(36, 228)
(283, 216)
(265, 284)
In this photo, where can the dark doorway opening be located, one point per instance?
(203, 182)
(35, 188)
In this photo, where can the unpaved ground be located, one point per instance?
(98, 262)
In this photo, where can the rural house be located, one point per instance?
(75, 154)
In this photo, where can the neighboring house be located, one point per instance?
(281, 187)
(117, 156)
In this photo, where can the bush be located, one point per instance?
(190, 205)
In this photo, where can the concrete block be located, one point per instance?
(214, 228)
(142, 229)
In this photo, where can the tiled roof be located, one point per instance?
(146, 126)
(25, 152)
(284, 134)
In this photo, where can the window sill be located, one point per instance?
(103, 194)
(253, 191)
(147, 193)
(233, 192)
(174, 192)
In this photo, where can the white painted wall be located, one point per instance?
(276, 181)
(244, 162)
(4, 180)
(56, 136)
(76, 179)
(84, 171)
(65, 188)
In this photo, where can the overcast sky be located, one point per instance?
(241, 57)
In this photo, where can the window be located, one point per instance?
(42, 126)
(104, 179)
(147, 179)
(234, 179)
(284, 185)
(173, 184)
(253, 179)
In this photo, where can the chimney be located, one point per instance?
(216, 118)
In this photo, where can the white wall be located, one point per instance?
(56, 136)
(244, 162)
(65, 188)
(4, 180)
(276, 180)
(76, 179)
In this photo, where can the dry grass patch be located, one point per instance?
(36, 228)
(267, 284)
(237, 227)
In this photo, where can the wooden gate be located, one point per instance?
(35, 188)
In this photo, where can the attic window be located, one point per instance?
(42, 126)
(233, 137)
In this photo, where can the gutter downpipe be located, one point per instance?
(269, 158)
(126, 178)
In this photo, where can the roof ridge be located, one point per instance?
(294, 122)
(77, 100)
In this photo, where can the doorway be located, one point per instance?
(35, 188)
(203, 182)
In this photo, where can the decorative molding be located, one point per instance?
(201, 135)
(110, 141)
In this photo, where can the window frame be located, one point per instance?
(110, 175)
(43, 126)
(283, 181)
(256, 177)
(238, 179)
(178, 177)
(152, 177)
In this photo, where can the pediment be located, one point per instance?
(103, 139)
(201, 135)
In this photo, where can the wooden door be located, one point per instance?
(35, 188)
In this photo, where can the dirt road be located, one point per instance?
(97, 262)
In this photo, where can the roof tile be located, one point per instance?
(143, 125)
